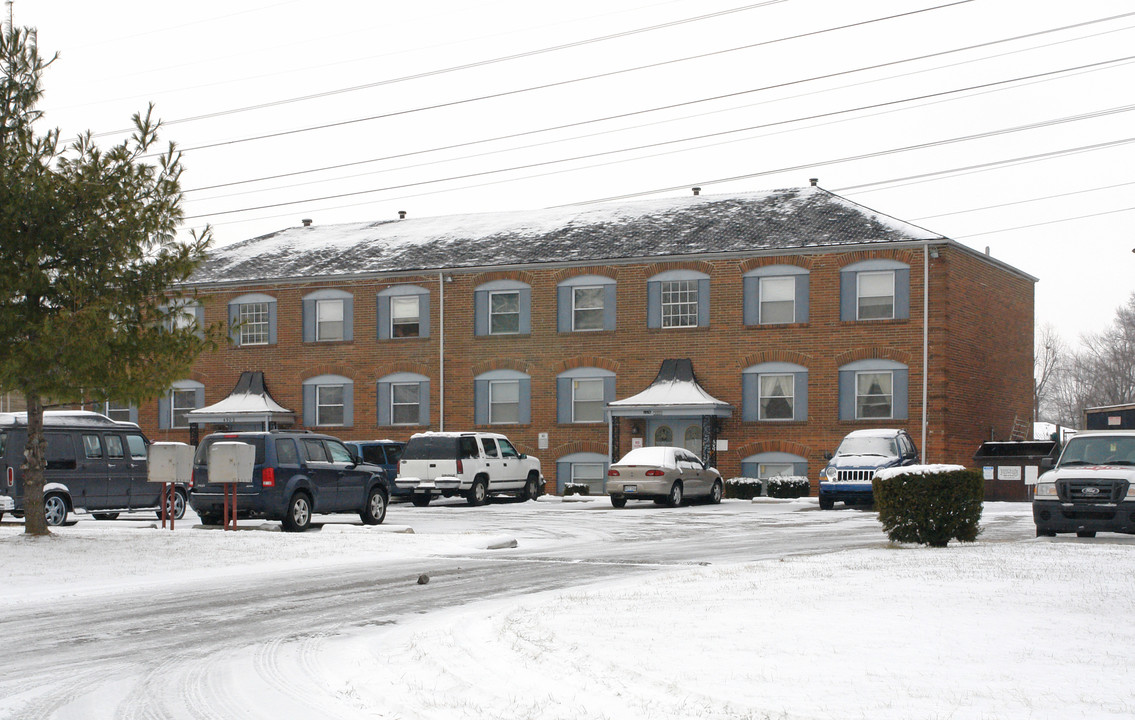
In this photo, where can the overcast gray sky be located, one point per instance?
(1004, 124)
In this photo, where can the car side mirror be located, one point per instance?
(828, 456)
(1047, 463)
(522, 456)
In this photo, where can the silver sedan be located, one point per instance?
(666, 475)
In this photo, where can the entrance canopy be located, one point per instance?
(674, 392)
(248, 404)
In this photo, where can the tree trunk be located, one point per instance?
(35, 459)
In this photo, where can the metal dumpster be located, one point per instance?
(1011, 468)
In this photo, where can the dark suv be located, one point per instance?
(385, 454)
(296, 475)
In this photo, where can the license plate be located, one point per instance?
(630, 488)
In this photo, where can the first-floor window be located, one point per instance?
(776, 397)
(329, 406)
(405, 403)
(504, 401)
(404, 316)
(181, 402)
(767, 470)
(587, 400)
(593, 475)
(874, 396)
(679, 303)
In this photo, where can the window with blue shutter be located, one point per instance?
(252, 320)
(874, 290)
(403, 399)
(502, 397)
(677, 299)
(774, 391)
(771, 464)
(873, 389)
(174, 405)
(328, 401)
(582, 469)
(328, 316)
(582, 395)
(775, 294)
(585, 303)
(403, 312)
(502, 307)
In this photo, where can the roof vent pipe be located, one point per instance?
(814, 181)
(401, 214)
(306, 222)
(697, 190)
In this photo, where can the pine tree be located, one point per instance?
(89, 302)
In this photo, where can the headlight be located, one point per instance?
(1045, 490)
(831, 472)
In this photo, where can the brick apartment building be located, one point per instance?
(802, 316)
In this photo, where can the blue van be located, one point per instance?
(847, 478)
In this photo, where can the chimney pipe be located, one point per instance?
(401, 214)
(307, 222)
(814, 181)
(697, 191)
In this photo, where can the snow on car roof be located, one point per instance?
(659, 456)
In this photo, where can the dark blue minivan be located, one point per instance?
(296, 475)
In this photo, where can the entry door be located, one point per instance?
(682, 432)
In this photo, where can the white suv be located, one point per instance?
(472, 464)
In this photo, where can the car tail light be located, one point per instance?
(11, 477)
(612, 473)
(460, 467)
(192, 479)
(268, 477)
(655, 473)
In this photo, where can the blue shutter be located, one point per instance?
(234, 315)
(563, 308)
(609, 390)
(901, 389)
(199, 315)
(309, 321)
(802, 298)
(383, 310)
(847, 296)
(610, 316)
(800, 402)
(749, 469)
(348, 404)
(423, 315)
(424, 403)
(563, 476)
(750, 397)
(703, 303)
(199, 398)
(481, 402)
(481, 312)
(525, 411)
(654, 304)
(308, 405)
(134, 414)
(846, 394)
(272, 323)
(349, 318)
(525, 298)
(163, 412)
(382, 404)
(563, 400)
(751, 300)
(902, 293)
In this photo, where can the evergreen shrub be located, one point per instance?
(742, 488)
(788, 486)
(929, 505)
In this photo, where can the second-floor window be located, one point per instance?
(253, 323)
(679, 303)
(404, 316)
(328, 320)
(875, 295)
(504, 312)
(328, 316)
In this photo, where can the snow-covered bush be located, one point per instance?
(929, 504)
(788, 486)
(576, 489)
(743, 488)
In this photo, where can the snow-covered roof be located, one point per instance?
(778, 219)
(248, 402)
(675, 391)
(70, 418)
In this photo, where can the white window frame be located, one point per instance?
(113, 407)
(494, 385)
(765, 470)
(771, 281)
(320, 405)
(254, 321)
(890, 395)
(395, 405)
(595, 484)
(577, 308)
(762, 397)
(397, 320)
(320, 321)
(675, 301)
(174, 408)
(493, 314)
(860, 296)
(575, 386)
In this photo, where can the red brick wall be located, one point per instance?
(980, 354)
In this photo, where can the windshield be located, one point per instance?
(431, 448)
(882, 446)
(1102, 450)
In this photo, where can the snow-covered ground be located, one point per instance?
(1009, 627)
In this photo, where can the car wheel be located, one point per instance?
(826, 503)
(298, 515)
(375, 511)
(177, 512)
(1085, 533)
(209, 518)
(531, 488)
(479, 492)
(674, 499)
(1041, 532)
(105, 516)
(420, 499)
(54, 510)
(716, 492)
(619, 502)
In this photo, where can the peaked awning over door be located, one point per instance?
(249, 402)
(674, 392)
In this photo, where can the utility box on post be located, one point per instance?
(169, 463)
(231, 463)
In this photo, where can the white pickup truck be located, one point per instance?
(472, 464)
(1089, 489)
